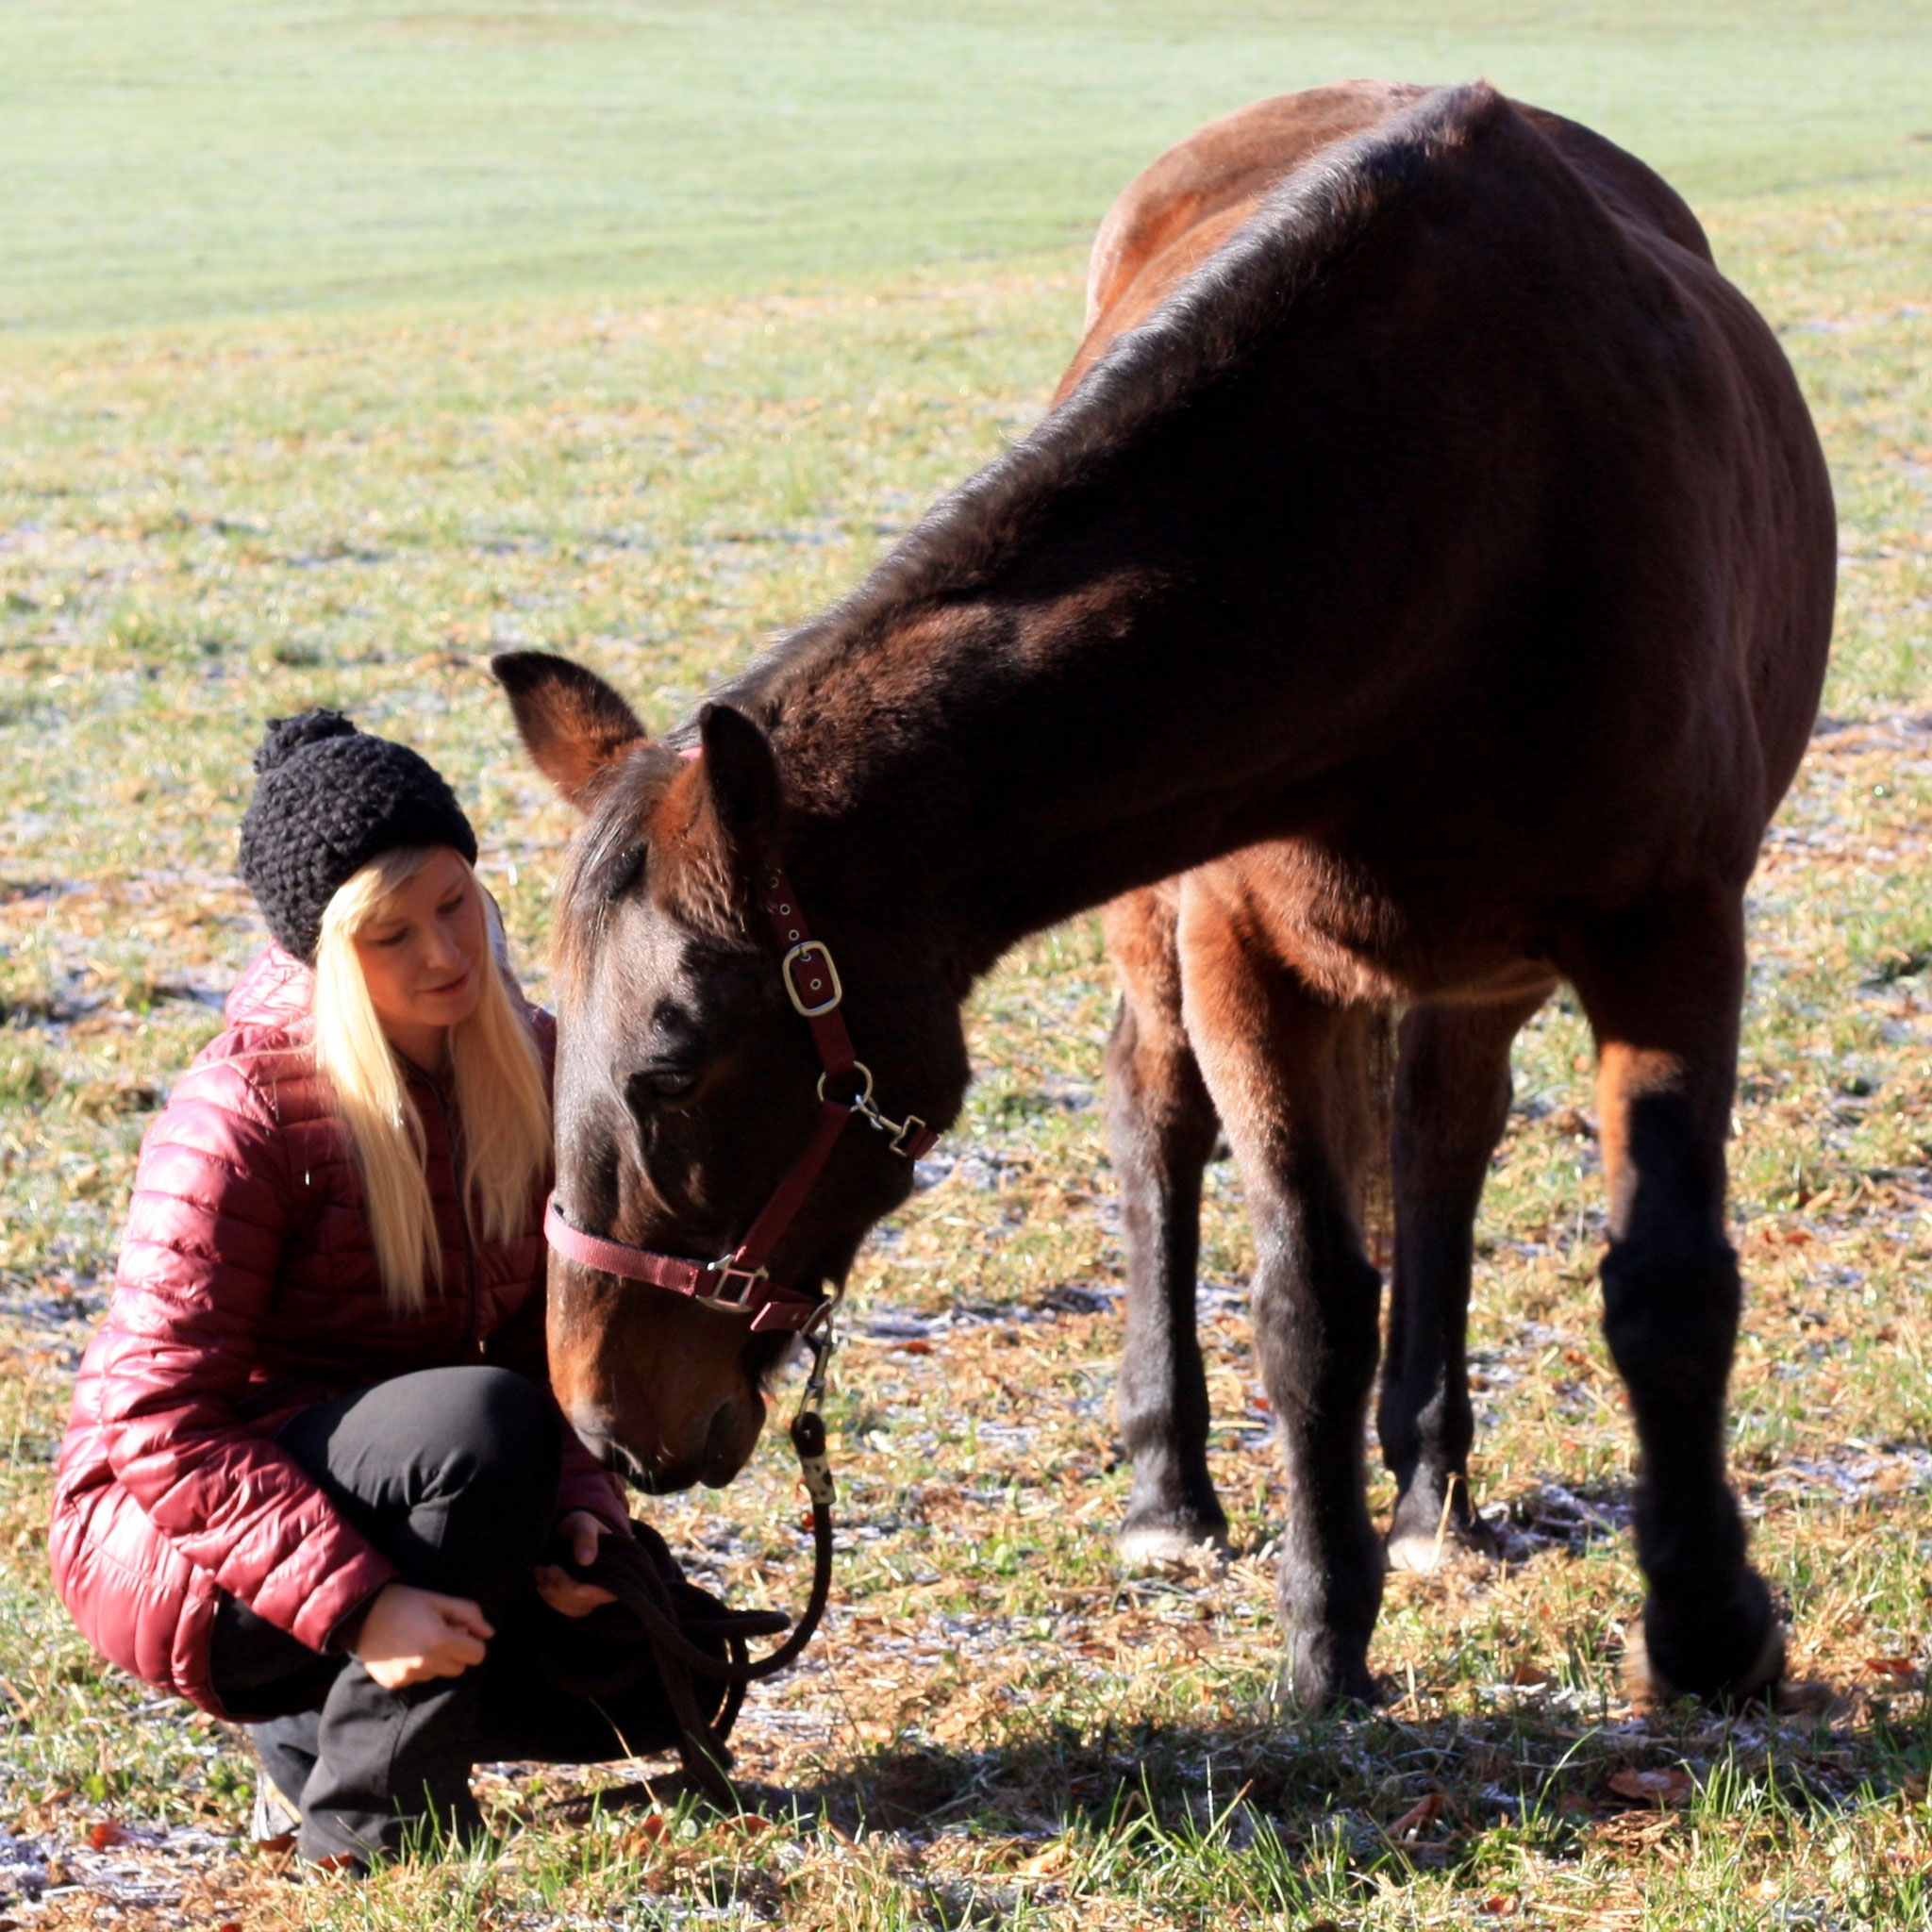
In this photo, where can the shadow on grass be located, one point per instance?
(1310, 1814)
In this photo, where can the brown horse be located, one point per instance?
(1418, 595)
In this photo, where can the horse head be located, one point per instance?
(687, 1084)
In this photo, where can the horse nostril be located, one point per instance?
(720, 1439)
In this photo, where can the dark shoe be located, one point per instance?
(274, 1821)
(284, 1756)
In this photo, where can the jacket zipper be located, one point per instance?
(449, 1140)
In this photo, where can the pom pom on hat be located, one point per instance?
(285, 737)
(329, 799)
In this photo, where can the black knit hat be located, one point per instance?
(331, 798)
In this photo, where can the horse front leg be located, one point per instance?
(1291, 1077)
(1161, 1131)
(1452, 1100)
(1661, 986)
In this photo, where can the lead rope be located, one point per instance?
(625, 1568)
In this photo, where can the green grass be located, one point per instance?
(228, 504)
(170, 160)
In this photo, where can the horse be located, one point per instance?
(1416, 597)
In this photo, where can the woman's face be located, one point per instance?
(423, 957)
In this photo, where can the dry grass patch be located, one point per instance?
(998, 1728)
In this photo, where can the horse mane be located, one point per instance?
(1223, 317)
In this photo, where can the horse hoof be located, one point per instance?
(1420, 1556)
(1420, 1553)
(1158, 1547)
(1312, 1690)
(1647, 1687)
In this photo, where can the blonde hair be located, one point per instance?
(499, 1089)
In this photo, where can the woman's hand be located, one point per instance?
(408, 1636)
(562, 1592)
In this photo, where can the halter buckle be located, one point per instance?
(799, 999)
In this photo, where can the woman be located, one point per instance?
(313, 1468)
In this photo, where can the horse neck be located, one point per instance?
(983, 771)
(1149, 636)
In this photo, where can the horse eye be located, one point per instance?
(667, 1083)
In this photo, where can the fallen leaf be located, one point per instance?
(1046, 1865)
(1658, 1788)
(1425, 1812)
(1503, 1906)
(1892, 1666)
(105, 1833)
(1529, 1674)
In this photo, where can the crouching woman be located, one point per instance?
(315, 1477)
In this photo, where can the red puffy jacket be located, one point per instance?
(247, 1288)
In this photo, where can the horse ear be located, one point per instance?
(741, 773)
(571, 722)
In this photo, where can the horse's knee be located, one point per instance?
(1318, 1324)
(1672, 1300)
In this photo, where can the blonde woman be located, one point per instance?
(314, 1471)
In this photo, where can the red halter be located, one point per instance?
(740, 1281)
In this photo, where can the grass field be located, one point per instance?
(343, 346)
(169, 161)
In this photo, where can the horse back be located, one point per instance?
(1180, 210)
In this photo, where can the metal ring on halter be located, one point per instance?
(864, 1100)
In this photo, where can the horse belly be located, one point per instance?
(1351, 940)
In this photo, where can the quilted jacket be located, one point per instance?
(248, 1288)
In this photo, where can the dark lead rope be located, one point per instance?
(625, 1568)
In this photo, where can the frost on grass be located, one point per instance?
(997, 1726)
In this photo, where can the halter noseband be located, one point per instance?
(740, 1281)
